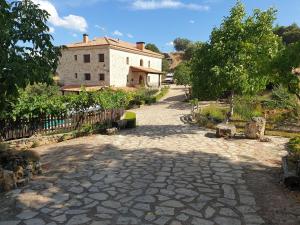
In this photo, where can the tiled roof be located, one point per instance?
(122, 45)
(144, 69)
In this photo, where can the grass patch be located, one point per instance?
(163, 92)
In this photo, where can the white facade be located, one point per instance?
(116, 67)
(120, 73)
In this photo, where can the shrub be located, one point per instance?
(281, 98)
(130, 118)
(247, 107)
(294, 148)
(214, 112)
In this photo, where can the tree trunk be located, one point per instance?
(231, 110)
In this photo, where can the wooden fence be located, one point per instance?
(22, 128)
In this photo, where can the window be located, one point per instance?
(141, 62)
(87, 76)
(149, 63)
(101, 76)
(127, 60)
(76, 75)
(86, 58)
(75, 57)
(101, 57)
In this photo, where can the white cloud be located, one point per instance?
(117, 33)
(130, 35)
(170, 44)
(51, 30)
(71, 22)
(74, 35)
(100, 27)
(192, 21)
(166, 4)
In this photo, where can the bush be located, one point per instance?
(214, 112)
(281, 98)
(294, 148)
(247, 107)
(130, 118)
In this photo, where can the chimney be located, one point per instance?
(140, 45)
(85, 38)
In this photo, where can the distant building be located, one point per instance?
(109, 62)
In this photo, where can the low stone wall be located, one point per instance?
(38, 140)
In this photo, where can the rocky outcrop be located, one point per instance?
(255, 129)
(18, 167)
(225, 130)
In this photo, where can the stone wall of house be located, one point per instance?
(68, 66)
(120, 70)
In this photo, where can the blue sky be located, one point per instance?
(155, 21)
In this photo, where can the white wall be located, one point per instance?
(119, 70)
(68, 66)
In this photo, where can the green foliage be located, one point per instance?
(165, 65)
(190, 50)
(109, 99)
(214, 112)
(27, 54)
(247, 107)
(181, 44)
(238, 56)
(37, 100)
(182, 74)
(294, 148)
(152, 47)
(40, 99)
(283, 65)
(289, 34)
(281, 99)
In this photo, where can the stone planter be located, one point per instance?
(225, 130)
(255, 129)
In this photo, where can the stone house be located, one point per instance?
(108, 62)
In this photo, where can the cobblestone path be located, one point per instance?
(164, 172)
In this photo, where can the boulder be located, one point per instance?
(7, 180)
(255, 129)
(225, 130)
(112, 131)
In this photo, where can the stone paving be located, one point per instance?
(164, 172)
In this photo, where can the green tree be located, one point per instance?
(190, 50)
(182, 74)
(165, 65)
(238, 56)
(181, 44)
(152, 47)
(289, 34)
(27, 54)
(283, 68)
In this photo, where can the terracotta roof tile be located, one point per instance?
(113, 43)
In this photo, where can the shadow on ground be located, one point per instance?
(124, 176)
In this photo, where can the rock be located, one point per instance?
(8, 180)
(19, 172)
(111, 131)
(255, 129)
(225, 130)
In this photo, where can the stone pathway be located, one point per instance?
(164, 172)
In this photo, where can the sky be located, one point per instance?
(151, 21)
